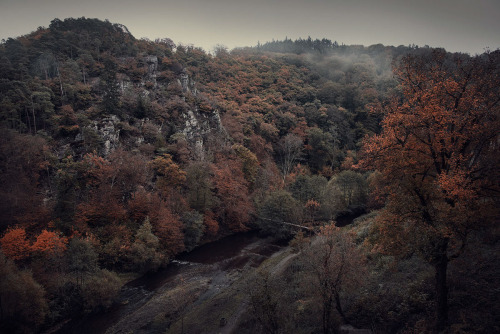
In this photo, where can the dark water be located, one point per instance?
(139, 291)
(220, 250)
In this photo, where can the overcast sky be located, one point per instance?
(457, 25)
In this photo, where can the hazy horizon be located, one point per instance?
(457, 26)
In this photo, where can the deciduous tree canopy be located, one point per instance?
(438, 153)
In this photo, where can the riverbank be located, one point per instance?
(209, 279)
(225, 303)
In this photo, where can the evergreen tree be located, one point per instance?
(110, 88)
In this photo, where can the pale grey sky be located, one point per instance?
(457, 25)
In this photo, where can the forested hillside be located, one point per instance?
(117, 154)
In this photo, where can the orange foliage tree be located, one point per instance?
(165, 223)
(168, 228)
(50, 243)
(438, 156)
(101, 209)
(108, 184)
(170, 178)
(231, 188)
(170, 175)
(14, 244)
(139, 205)
(25, 162)
(211, 225)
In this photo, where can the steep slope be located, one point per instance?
(117, 153)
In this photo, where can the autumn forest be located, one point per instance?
(375, 169)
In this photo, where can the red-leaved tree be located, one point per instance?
(438, 156)
(14, 244)
(50, 243)
(231, 187)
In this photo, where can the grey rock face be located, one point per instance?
(187, 84)
(199, 127)
(108, 130)
(152, 63)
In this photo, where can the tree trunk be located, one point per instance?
(33, 112)
(338, 306)
(60, 83)
(327, 310)
(27, 118)
(441, 267)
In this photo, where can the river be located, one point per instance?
(209, 263)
